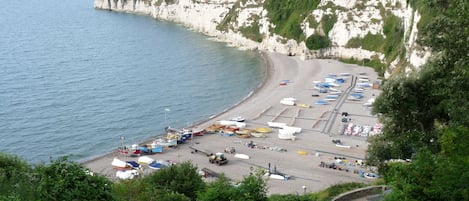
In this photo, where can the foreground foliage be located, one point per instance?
(60, 180)
(66, 180)
(426, 114)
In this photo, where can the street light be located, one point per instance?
(304, 189)
(165, 116)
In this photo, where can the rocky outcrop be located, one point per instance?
(224, 20)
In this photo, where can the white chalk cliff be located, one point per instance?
(355, 19)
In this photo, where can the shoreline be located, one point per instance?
(267, 76)
(262, 106)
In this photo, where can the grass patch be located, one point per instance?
(374, 63)
(328, 22)
(287, 16)
(392, 45)
(312, 22)
(232, 16)
(252, 32)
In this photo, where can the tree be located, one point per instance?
(66, 180)
(415, 106)
(252, 188)
(181, 178)
(220, 189)
(430, 176)
(426, 115)
(16, 179)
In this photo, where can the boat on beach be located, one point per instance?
(120, 165)
(166, 142)
(258, 134)
(286, 135)
(238, 119)
(263, 130)
(276, 124)
(132, 150)
(151, 148)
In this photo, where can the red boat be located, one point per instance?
(129, 151)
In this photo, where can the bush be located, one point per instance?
(316, 42)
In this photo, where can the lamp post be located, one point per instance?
(304, 189)
(166, 110)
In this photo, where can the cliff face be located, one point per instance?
(246, 24)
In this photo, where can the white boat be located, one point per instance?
(330, 99)
(287, 102)
(285, 132)
(292, 129)
(127, 174)
(342, 146)
(329, 80)
(290, 99)
(344, 74)
(242, 156)
(277, 176)
(258, 135)
(227, 123)
(276, 124)
(119, 164)
(286, 136)
(363, 80)
(364, 84)
(334, 89)
(370, 175)
(238, 119)
(145, 160)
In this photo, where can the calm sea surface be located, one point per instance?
(74, 79)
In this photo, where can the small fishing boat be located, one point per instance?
(238, 119)
(166, 142)
(276, 124)
(263, 130)
(370, 175)
(303, 105)
(321, 102)
(301, 152)
(286, 136)
(120, 165)
(145, 160)
(155, 166)
(127, 174)
(291, 129)
(128, 151)
(258, 134)
(242, 156)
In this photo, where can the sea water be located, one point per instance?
(74, 80)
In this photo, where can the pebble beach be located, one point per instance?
(307, 159)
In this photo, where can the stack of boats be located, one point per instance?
(285, 132)
(126, 169)
(329, 85)
(236, 125)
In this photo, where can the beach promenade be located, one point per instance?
(321, 124)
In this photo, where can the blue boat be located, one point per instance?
(357, 95)
(321, 102)
(155, 166)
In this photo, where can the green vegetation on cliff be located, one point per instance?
(287, 16)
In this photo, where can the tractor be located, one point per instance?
(218, 158)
